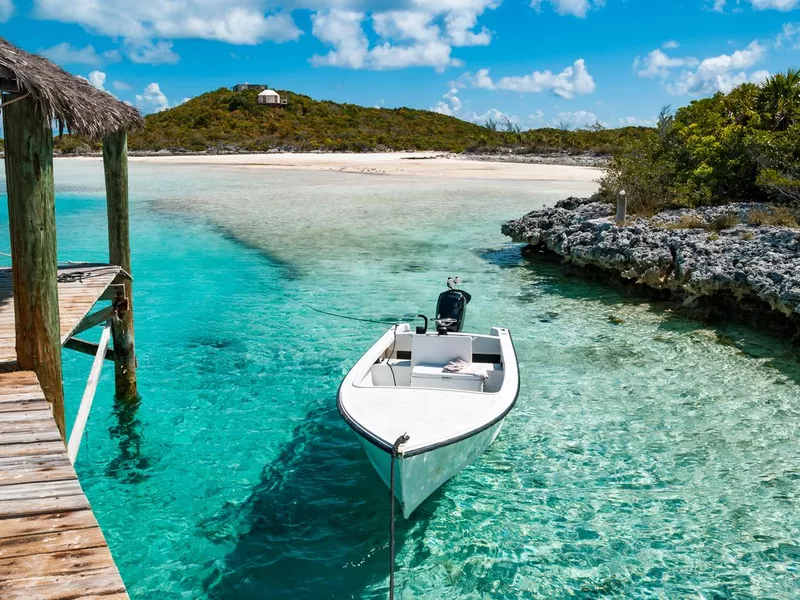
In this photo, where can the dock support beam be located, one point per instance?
(34, 267)
(115, 162)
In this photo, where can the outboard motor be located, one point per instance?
(451, 311)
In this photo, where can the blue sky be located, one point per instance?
(538, 62)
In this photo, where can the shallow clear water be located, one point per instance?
(653, 459)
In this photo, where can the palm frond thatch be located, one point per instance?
(70, 100)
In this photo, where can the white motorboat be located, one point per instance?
(447, 391)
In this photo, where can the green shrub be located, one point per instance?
(744, 145)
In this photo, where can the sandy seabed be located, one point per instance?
(416, 164)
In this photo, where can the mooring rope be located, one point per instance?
(349, 318)
(395, 453)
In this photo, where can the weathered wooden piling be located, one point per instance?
(115, 162)
(32, 224)
(622, 208)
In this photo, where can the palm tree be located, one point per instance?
(779, 99)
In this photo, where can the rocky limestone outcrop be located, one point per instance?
(744, 261)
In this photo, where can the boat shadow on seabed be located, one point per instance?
(316, 526)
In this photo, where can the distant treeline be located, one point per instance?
(227, 121)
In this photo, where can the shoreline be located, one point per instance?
(742, 271)
(415, 164)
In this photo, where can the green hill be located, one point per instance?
(229, 121)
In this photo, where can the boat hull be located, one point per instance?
(418, 476)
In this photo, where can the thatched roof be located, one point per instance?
(72, 101)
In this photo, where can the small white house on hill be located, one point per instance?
(270, 97)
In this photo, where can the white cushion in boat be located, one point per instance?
(437, 372)
(440, 349)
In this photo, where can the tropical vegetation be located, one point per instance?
(739, 146)
(225, 120)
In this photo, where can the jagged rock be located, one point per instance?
(746, 261)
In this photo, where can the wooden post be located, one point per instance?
(34, 267)
(115, 162)
(622, 208)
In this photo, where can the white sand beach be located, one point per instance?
(415, 164)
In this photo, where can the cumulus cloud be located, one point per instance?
(232, 21)
(789, 37)
(449, 105)
(537, 118)
(577, 8)
(658, 64)
(151, 53)
(152, 99)
(572, 81)
(495, 115)
(637, 122)
(98, 80)
(714, 74)
(420, 35)
(719, 73)
(405, 39)
(578, 118)
(67, 54)
(781, 5)
(6, 10)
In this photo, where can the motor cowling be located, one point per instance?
(451, 310)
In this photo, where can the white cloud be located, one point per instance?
(714, 74)
(577, 8)
(405, 39)
(495, 115)
(789, 37)
(572, 81)
(719, 73)
(450, 104)
(67, 54)
(637, 122)
(759, 77)
(232, 21)
(407, 32)
(98, 80)
(152, 53)
(670, 45)
(781, 5)
(658, 64)
(6, 10)
(578, 118)
(152, 99)
(460, 28)
(537, 117)
(120, 86)
(342, 30)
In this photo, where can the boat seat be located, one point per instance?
(434, 376)
(440, 349)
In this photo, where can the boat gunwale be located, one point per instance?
(388, 447)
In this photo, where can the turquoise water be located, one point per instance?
(653, 459)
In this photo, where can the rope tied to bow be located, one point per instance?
(395, 453)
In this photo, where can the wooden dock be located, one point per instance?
(51, 546)
(80, 287)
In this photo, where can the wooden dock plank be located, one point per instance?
(99, 583)
(75, 299)
(60, 541)
(49, 523)
(51, 546)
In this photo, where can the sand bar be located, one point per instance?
(415, 164)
